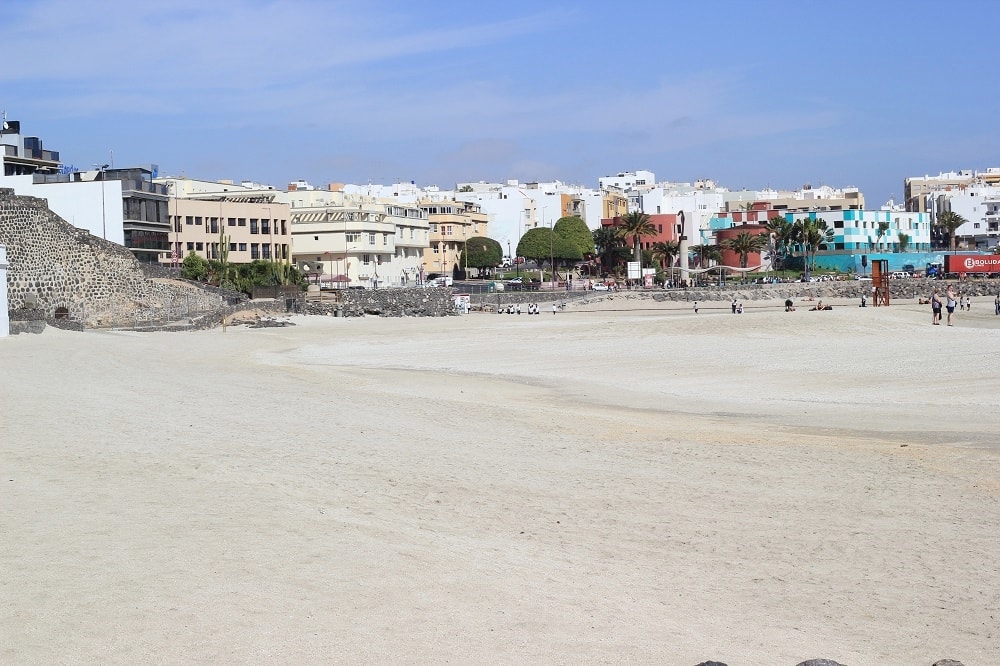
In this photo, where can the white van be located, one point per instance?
(899, 275)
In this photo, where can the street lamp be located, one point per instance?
(104, 220)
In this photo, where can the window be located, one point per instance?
(254, 250)
(199, 246)
(253, 225)
(243, 247)
(366, 259)
(232, 247)
(436, 250)
(232, 221)
(188, 219)
(352, 237)
(241, 221)
(371, 239)
(267, 251)
(265, 226)
(197, 220)
(838, 224)
(214, 224)
(190, 246)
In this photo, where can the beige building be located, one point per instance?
(451, 224)
(344, 241)
(614, 203)
(204, 214)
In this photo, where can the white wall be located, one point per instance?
(80, 204)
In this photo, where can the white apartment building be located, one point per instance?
(342, 240)
(700, 202)
(975, 195)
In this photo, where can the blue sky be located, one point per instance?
(751, 94)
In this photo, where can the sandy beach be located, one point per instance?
(622, 482)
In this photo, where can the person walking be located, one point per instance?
(553, 308)
(935, 308)
(696, 307)
(734, 306)
(996, 305)
(950, 303)
(968, 303)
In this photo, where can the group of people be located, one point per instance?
(515, 308)
(951, 301)
(737, 307)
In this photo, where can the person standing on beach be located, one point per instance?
(950, 303)
(696, 307)
(935, 308)
(996, 305)
(734, 306)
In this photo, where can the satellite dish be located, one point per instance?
(5, 125)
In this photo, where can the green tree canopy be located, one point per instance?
(812, 235)
(634, 226)
(904, 241)
(542, 244)
(610, 248)
(665, 253)
(577, 232)
(482, 253)
(950, 222)
(194, 267)
(744, 244)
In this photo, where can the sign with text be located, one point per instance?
(972, 263)
(633, 270)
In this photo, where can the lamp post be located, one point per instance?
(104, 220)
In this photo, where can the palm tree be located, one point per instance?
(634, 226)
(950, 222)
(782, 231)
(883, 228)
(608, 245)
(744, 244)
(904, 241)
(665, 253)
(812, 235)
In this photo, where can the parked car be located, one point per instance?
(864, 278)
(600, 287)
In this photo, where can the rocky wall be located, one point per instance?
(407, 302)
(66, 273)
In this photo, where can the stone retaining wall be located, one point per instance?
(69, 275)
(408, 302)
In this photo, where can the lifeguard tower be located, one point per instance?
(880, 282)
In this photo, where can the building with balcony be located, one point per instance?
(207, 217)
(452, 223)
(342, 240)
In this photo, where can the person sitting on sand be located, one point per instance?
(820, 306)
(788, 305)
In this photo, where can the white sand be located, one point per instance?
(645, 486)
